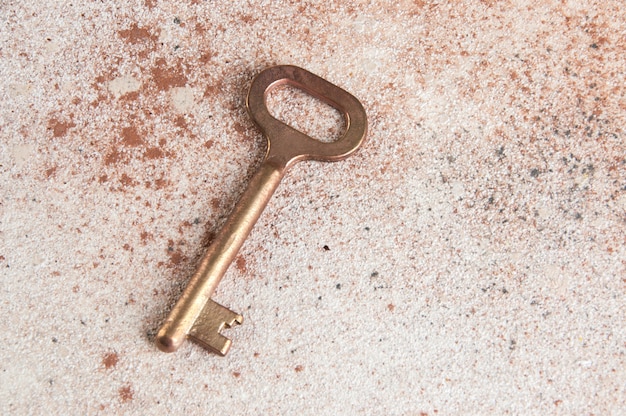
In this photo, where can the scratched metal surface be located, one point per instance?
(470, 259)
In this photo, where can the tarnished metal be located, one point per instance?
(195, 315)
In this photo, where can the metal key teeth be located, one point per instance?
(207, 327)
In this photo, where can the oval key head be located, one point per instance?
(287, 145)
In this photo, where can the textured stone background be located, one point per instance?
(469, 260)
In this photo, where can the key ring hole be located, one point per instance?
(305, 113)
(288, 145)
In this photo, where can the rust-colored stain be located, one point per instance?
(126, 393)
(161, 183)
(153, 153)
(181, 122)
(240, 263)
(127, 180)
(136, 141)
(51, 171)
(210, 91)
(110, 360)
(130, 96)
(100, 79)
(391, 307)
(166, 77)
(205, 58)
(137, 34)
(184, 224)
(299, 369)
(240, 128)
(145, 236)
(199, 28)
(113, 157)
(59, 128)
(248, 19)
(176, 255)
(237, 374)
(130, 137)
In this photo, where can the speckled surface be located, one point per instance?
(469, 260)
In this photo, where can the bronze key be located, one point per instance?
(195, 315)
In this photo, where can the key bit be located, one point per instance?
(196, 316)
(208, 326)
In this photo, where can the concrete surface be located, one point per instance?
(469, 260)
